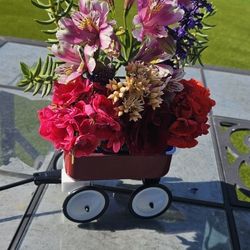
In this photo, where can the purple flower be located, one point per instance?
(192, 20)
(186, 3)
(153, 17)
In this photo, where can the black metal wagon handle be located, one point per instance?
(15, 184)
(47, 177)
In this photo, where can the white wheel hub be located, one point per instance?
(150, 202)
(85, 205)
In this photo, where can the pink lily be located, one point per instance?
(88, 27)
(154, 16)
(74, 64)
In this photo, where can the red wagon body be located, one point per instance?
(104, 167)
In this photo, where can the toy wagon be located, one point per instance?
(87, 203)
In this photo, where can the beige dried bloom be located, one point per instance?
(118, 90)
(132, 105)
(143, 83)
(155, 97)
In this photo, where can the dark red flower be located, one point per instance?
(149, 135)
(183, 127)
(191, 107)
(182, 141)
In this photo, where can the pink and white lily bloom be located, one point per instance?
(154, 16)
(74, 64)
(88, 27)
(156, 50)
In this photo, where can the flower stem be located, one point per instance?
(125, 35)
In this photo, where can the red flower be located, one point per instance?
(85, 145)
(65, 95)
(191, 108)
(82, 126)
(182, 141)
(183, 127)
(107, 126)
(57, 127)
(149, 135)
(102, 105)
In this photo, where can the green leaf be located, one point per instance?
(46, 22)
(37, 88)
(44, 90)
(25, 69)
(49, 88)
(30, 86)
(38, 68)
(40, 76)
(40, 5)
(50, 32)
(45, 66)
(70, 5)
(52, 41)
(23, 83)
(50, 66)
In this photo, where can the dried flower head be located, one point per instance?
(143, 85)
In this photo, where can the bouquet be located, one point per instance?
(149, 108)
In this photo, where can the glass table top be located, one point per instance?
(22, 152)
(196, 219)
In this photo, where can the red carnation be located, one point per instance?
(57, 127)
(191, 107)
(85, 145)
(65, 95)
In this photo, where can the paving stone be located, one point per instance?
(194, 73)
(2, 42)
(181, 227)
(11, 54)
(242, 219)
(231, 92)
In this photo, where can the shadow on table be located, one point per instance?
(197, 227)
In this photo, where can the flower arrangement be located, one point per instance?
(145, 111)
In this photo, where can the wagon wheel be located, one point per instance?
(149, 201)
(85, 204)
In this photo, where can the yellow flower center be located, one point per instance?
(87, 23)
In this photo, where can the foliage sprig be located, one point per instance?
(40, 77)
